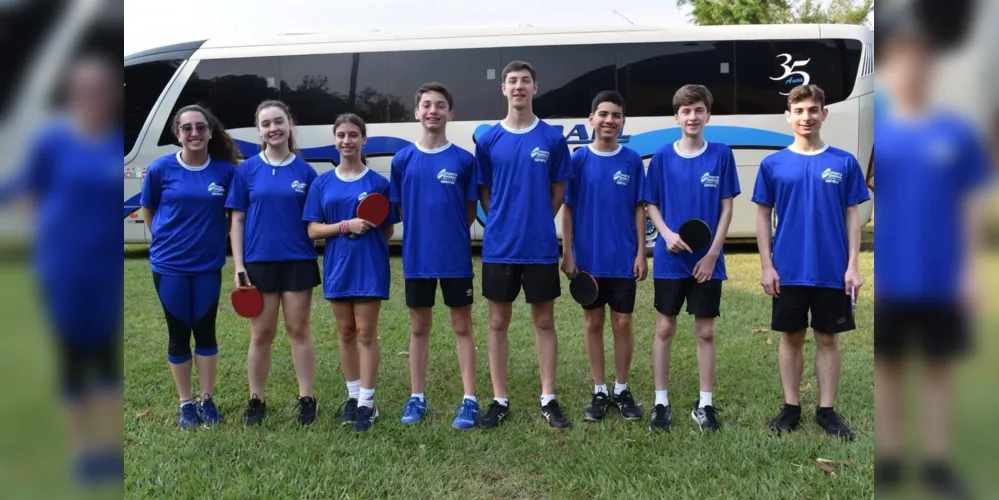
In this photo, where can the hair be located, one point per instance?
(519, 66)
(292, 143)
(220, 146)
(805, 92)
(610, 96)
(691, 94)
(435, 87)
(356, 120)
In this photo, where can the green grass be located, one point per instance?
(523, 458)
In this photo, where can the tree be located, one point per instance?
(716, 12)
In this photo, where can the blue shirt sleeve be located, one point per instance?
(471, 186)
(762, 191)
(570, 185)
(857, 187)
(152, 186)
(977, 168)
(484, 167)
(730, 176)
(239, 194)
(395, 183)
(313, 211)
(561, 163)
(652, 180)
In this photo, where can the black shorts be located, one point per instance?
(286, 276)
(830, 308)
(92, 366)
(939, 331)
(422, 292)
(502, 282)
(618, 293)
(703, 299)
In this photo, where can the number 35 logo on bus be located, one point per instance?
(791, 77)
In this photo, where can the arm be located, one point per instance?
(389, 231)
(485, 193)
(558, 194)
(724, 221)
(320, 231)
(640, 228)
(853, 235)
(657, 220)
(567, 230)
(472, 209)
(764, 235)
(236, 236)
(147, 215)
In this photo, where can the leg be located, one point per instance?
(343, 312)
(669, 298)
(420, 297)
(827, 367)
(175, 295)
(593, 334)
(831, 315)
(461, 324)
(705, 305)
(542, 285)
(297, 307)
(792, 364)
(789, 315)
(621, 299)
(501, 284)
(497, 345)
(887, 421)
(366, 317)
(258, 359)
(459, 298)
(205, 305)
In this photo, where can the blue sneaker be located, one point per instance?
(468, 415)
(208, 412)
(414, 411)
(188, 416)
(365, 418)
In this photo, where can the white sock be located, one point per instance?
(600, 388)
(546, 398)
(354, 389)
(705, 399)
(470, 397)
(661, 398)
(186, 402)
(420, 395)
(503, 401)
(367, 397)
(619, 387)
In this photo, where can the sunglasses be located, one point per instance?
(187, 128)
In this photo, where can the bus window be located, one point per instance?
(471, 75)
(319, 87)
(569, 76)
(143, 85)
(650, 73)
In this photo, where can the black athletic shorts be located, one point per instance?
(939, 331)
(502, 282)
(286, 276)
(92, 366)
(618, 293)
(830, 309)
(422, 292)
(703, 299)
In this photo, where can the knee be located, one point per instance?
(826, 341)
(705, 333)
(299, 331)
(545, 324)
(665, 330)
(262, 337)
(347, 334)
(498, 324)
(593, 322)
(367, 336)
(795, 339)
(419, 328)
(621, 323)
(461, 328)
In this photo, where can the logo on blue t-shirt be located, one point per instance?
(539, 155)
(447, 177)
(299, 186)
(831, 177)
(216, 189)
(710, 181)
(621, 178)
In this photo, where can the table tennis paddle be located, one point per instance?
(583, 288)
(247, 300)
(374, 208)
(696, 234)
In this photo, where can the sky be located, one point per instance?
(152, 23)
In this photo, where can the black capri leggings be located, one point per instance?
(190, 303)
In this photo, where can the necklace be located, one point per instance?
(273, 166)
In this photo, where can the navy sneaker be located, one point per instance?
(495, 414)
(554, 416)
(706, 417)
(349, 413)
(365, 418)
(662, 418)
(414, 410)
(256, 409)
(188, 416)
(626, 404)
(468, 415)
(208, 412)
(307, 408)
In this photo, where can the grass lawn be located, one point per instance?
(521, 459)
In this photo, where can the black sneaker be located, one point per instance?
(553, 414)
(941, 479)
(833, 424)
(705, 417)
(662, 418)
(255, 411)
(349, 414)
(307, 410)
(494, 415)
(787, 420)
(597, 409)
(887, 474)
(626, 404)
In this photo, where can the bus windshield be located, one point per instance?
(143, 85)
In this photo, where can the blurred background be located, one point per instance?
(42, 40)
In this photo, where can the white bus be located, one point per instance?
(749, 69)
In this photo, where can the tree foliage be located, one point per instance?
(716, 12)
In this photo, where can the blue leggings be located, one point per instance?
(190, 303)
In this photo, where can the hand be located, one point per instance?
(641, 268)
(970, 293)
(705, 268)
(853, 279)
(569, 266)
(235, 278)
(674, 243)
(359, 226)
(771, 282)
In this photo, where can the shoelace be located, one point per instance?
(466, 409)
(411, 406)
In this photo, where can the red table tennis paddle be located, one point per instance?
(696, 234)
(247, 300)
(374, 208)
(583, 288)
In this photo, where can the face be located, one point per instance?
(193, 131)
(274, 126)
(349, 139)
(693, 117)
(519, 88)
(607, 121)
(91, 93)
(432, 111)
(806, 117)
(905, 68)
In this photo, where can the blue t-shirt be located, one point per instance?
(359, 266)
(927, 168)
(189, 226)
(684, 187)
(810, 193)
(520, 166)
(434, 188)
(604, 190)
(273, 198)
